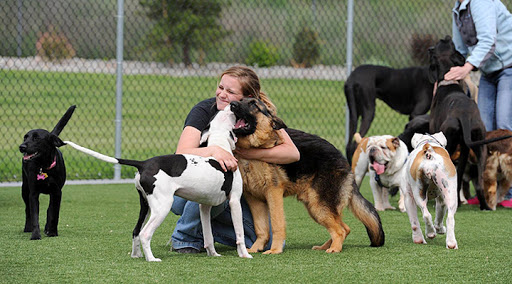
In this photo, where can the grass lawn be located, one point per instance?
(94, 246)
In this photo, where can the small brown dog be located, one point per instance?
(498, 168)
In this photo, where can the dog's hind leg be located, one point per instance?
(52, 219)
(260, 213)
(160, 207)
(207, 229)
(143, 214)
(337, 229)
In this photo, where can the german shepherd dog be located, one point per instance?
(322, 180)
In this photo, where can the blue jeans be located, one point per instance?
(188, 230)
(495, 102)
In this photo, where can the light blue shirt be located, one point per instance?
(492, 49)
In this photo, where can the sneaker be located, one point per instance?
(473, 201)
(186, 250)
(506, 203)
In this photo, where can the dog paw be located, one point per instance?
(154, 260)
(441, 230)
(273, 251)
(51, 234)
(452, 245)
(35, 237)
(431, 235)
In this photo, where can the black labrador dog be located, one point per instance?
(43, 172)
(457, 115)
(407, 91)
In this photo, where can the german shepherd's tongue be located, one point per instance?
(379, 169)
(240, 124)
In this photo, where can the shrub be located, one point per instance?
(53, 45)
(419, 47)
(306, 49)
(262, 54)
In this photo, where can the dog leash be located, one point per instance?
(43, 176)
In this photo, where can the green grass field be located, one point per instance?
(94, 246)
(154, 109)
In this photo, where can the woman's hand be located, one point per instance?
(458, 72)
(226, 160)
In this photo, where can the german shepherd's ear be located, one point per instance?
(57, 141)
(277, 123)
(433, 68)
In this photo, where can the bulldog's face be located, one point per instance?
(381, 152)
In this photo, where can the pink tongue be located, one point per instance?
(379, 169)
(240, 123)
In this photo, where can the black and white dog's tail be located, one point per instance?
(105, 158)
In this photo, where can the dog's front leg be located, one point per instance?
(25, 194)
(34, 215)
(260, 213)
(52, 219)
(277, 219)
(440, 212)
(377, 193)
(207, 229)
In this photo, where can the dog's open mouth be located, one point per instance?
(27, 157)
(241, 124)
(379, 168)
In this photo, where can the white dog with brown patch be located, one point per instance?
(384, 157)
(430, 173)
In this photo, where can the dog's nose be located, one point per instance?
(23, 148)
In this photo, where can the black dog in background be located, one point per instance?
(43, 172)
(407, 91)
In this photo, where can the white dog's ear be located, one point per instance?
(441, 138)
(416, 139)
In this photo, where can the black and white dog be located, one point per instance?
(43, 172)
(192, 177)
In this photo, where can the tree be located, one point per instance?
(189, 24)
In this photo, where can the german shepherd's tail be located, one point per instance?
(63, 121)
(366, 213)
(105, 158)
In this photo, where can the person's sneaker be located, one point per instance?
(473, 201)
(506, 203)
(186, 250)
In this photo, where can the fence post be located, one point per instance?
(119, 86)
(350, 28)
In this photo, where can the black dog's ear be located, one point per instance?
(278, 123)
(457, 58)
(57, 141)
(448, 38)
(433, 69)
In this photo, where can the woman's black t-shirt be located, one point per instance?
(201, 114)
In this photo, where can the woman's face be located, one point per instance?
(228, 90)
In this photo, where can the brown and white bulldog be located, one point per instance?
(384, 157)
(429, 172)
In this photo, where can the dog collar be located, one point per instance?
(42, 175)
(447, 82)
(432, 140)
(54, 163)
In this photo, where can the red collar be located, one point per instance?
(54, 163)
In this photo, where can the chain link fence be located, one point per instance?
(57, 53)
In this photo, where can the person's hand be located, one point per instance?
(458, 72)
(248, 154)
(226, 160)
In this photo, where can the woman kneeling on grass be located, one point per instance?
(235, 83)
